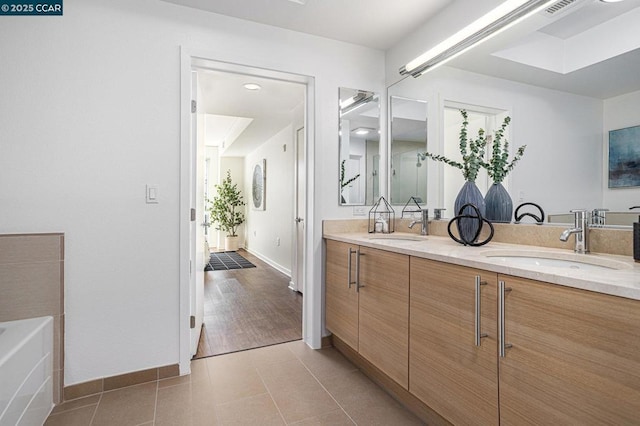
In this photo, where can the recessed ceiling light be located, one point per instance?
(362, 131)
(252, 86)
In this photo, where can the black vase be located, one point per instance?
(498, 204)
(469, 193)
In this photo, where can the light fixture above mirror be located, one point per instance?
(495, 21)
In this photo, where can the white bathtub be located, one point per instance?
(26, 364)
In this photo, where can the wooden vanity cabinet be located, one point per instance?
(384, 312)
(561, 356)
(447, 370)
(372, 317)
(574, 359)
(341, 297)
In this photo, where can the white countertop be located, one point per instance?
(623, 282)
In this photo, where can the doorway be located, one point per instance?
(229, 152)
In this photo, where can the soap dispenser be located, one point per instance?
(636, 237)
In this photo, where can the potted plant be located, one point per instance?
(344, 183)
(472, 151)
(227, 212)
(499, 206)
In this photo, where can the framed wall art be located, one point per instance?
(624, 157)
(258, 185)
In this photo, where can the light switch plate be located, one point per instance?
(359, 211)
(151, 194)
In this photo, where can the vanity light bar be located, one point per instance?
(497, 20)
(356, 101)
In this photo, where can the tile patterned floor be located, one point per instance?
(286, 384)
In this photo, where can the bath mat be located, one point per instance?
(227, 260)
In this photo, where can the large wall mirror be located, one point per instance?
(408, 176)
(566, 81)
(359, 160)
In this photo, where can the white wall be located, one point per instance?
(90, 113)
(276, 221)
(563, 132)
(619, 112)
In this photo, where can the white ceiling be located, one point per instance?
(227, 104)
(378, 24)
(591, 49)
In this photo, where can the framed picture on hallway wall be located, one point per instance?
(258, 184)
(624, 157)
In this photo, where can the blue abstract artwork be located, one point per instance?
(624, 157)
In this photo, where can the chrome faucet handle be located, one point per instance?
(599, 217)
(437, 213)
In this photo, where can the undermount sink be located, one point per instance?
(582, 262)
(392, 237)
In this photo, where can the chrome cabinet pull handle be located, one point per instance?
(478, 326)
(358, 285)
(502, 345)
(349, 282)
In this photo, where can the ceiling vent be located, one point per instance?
(561, 7)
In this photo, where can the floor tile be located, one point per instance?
(334, 418)
(270, 354)
(199, 370)
(173, 406)
(234, 377)
(174, 381)
(255, 410)
(288, 382)
(323, 362)
(77, 403)
(78, 417)
(295, 391)
(365, 402)
(128, 406)
(203, 412)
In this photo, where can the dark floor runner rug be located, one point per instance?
(227, 260)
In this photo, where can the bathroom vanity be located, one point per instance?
(506, 334)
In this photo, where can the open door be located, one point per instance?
(199, 255)
(297, 270)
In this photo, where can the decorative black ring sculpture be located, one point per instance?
(539, 219)
(479, 218)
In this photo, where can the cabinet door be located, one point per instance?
(448, 372)
(575, 356)
(384, 312)
(341, 299)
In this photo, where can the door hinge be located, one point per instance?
(193, 215)
(190, 268)
(194, 106)
(192, 321)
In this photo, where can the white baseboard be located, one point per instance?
(270, 262)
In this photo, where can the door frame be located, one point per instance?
(312, 302)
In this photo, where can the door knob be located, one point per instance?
(298, 219)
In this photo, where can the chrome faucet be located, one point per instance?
(424, 222)
(580, 229)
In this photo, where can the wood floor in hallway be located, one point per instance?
(248, 308)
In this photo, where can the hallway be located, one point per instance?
(248, 308)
